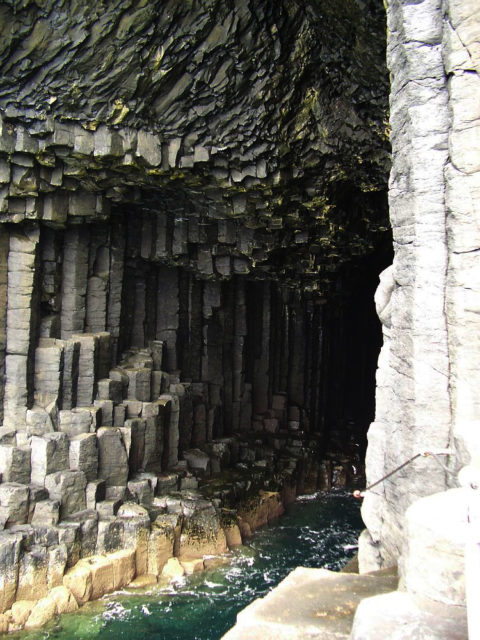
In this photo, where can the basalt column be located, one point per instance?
(428, 299)
(177, 204)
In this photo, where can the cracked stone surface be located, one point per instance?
(428, 301)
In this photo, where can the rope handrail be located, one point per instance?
(423, 454)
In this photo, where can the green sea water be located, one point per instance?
(315, 532)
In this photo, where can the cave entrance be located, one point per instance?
(239, 351)
(258, 357)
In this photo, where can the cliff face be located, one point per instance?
(428, 300)
(150, 153)
(190, 197)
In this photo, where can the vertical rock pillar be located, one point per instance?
(462, 195)
(21, 323)
(3, 311)
(413, 410)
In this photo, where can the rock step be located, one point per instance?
(404, 617)
(308, 603)
(437, 531)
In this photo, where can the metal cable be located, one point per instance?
(424, 454)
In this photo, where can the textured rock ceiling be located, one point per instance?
(271, 113)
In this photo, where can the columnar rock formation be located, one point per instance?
(188, 196)
(428, 300)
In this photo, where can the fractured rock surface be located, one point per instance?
(184, 193)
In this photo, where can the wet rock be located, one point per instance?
(233, 535)
(192, 566)
(78, 581)
(172, 569)
(21, 610)
(10, 550)
(43, 611)
(202, 534)
(163, 538)
(64, 600)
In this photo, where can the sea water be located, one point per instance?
(316, 531)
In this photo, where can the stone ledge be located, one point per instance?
(309, 603)
(398, 615)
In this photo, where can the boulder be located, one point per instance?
(21, 610)
(64, 600)
(78, 581)
(43, 611)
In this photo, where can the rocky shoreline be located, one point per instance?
(91, 502)
(189, 534)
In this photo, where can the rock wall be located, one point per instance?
(428, 300)
(191, 195)
(134, 213)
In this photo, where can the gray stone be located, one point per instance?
(436, 535)
(74, 422)
(48, 368)
(87, 531)
(14, 503)
(107, 508)
(105, 408)
(10, 550)
(68, 487)
(83, 455)
(112, 457)
(312, 603)
(110, 535)
(109, 389)
(46, 513)
(401, 616)
(49, 453)
(7, 436)
(139, 384)
(95, 492)
(197, 460)
(38, 422)
(15, 464)
(141, 490)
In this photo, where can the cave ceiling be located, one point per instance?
(268, 114)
